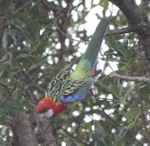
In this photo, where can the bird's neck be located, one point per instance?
(58, 108)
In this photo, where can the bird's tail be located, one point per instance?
(95, 43)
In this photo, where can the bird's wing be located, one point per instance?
(54, 88)
(76, 90)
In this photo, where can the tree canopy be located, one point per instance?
(39, 38)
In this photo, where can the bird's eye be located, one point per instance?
(45, 109)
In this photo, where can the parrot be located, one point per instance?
(69, 86)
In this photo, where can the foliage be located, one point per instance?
(39, 39)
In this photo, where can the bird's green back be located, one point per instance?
(88, 60)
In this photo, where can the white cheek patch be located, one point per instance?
(41, 115)
(49, 113)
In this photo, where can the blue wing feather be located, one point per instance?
(77, 96)
(80, 92)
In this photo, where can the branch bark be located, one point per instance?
(137, 19)
(2, 21)
(22, 130)
(45, 131)
(130, 9)
(120, 31)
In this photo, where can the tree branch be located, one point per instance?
(22, 130)
(130, 78)
(2, 22)
(44, 128)
(121, 31)
(145, 8)
(45, 131)
(130, 9)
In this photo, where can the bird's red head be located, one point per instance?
(48, 106)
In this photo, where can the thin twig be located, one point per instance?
(67, 135)
(143, 116)
(130, 78)
(106, 61)
(23, 7)
(64, 34)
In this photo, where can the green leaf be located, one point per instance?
(2, 143)
(121, 134)
(22, 55)
(5, 6)
(15, 105)
(4, 74)
(100, 136)
(132, 114)
(104, 4)
(35, 12)
(5, 119)
(6, 57)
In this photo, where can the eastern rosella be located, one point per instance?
(67, 88)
